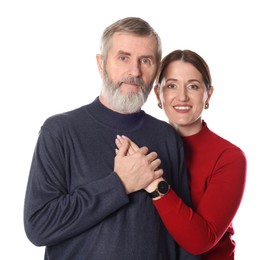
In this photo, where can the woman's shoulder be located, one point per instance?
(224, 144)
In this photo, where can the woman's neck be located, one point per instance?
(188, 129)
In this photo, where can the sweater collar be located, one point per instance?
(197, 140)
(114, 119)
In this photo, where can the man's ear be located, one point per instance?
(99, 60)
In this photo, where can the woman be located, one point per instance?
(217, 168)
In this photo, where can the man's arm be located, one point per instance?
(52, 213)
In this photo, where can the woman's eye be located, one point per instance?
(193, 87)
(171, 86)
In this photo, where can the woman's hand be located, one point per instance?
(133, 147)
(153, 186)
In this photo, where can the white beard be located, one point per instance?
(124, 103)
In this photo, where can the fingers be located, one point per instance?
(133, 147)
(119, 141)
(123, 149)
(152, 156)
(158, 173)
(143, 150)
(136, 170)
(155, 164)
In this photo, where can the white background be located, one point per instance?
(47, 66)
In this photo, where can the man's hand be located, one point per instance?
(135, 166)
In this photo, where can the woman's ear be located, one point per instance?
(156, 90)
(99, 60)
(210, 92)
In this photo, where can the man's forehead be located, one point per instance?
(130, 43)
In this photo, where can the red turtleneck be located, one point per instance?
(217, 179)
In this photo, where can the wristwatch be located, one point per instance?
(162, 189)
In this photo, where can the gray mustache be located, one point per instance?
(133, 80)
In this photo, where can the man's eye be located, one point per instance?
(145, 61)
(123, 58)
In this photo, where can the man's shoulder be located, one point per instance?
(162, 129)
(159, 125)
(154, 120)
(64, 119)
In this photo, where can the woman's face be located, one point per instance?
(183, 96)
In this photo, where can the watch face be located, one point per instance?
(163, 187)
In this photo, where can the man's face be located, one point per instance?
(129, 72)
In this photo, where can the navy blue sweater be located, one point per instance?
(75, 204)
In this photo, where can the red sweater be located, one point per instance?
(217, 179)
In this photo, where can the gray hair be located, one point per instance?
(132, 25)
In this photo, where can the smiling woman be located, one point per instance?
(184, 86)
(217, 168)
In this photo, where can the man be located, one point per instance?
(82, 201)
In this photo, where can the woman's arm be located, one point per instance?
(198, 231)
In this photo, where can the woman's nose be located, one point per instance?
(182, 94)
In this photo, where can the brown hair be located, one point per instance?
(186, 56)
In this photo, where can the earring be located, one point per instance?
(206, 105)
(160, 105)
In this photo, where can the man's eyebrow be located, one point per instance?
(148, 56)
(124, 52)
(129, 54)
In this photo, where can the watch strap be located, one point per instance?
(154, 194)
